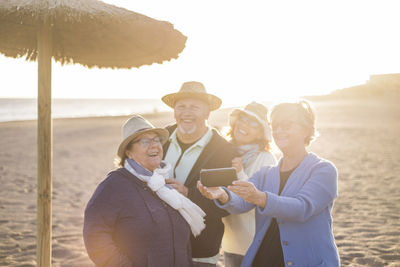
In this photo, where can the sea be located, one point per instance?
(17, 109)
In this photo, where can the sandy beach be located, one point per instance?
(361, 137)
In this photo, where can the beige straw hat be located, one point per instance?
(136, 126)
(193, 90)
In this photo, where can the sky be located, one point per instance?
(241, 51)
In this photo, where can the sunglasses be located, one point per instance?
(252, 123)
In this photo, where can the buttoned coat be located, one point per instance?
(303, 212)
(127, 224)
(218, 153)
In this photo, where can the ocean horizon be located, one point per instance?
(19, 109)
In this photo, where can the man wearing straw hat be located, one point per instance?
(193, 145)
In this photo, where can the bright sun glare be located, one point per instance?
(241, 51)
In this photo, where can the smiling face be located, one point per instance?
(246, 130)
(148, 152)
(292, 126)
(191, 116)
(289, 135)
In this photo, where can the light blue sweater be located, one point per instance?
(303, 212)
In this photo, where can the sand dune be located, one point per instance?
(361, 137)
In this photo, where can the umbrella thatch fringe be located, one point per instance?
(70, 10)
(76, 36)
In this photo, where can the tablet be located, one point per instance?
(218, 177)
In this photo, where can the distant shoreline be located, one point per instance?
(26, 109)
(155, 111)
(147, 115)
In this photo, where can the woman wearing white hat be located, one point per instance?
(133, 217)
(251, 133)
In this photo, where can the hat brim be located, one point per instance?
(264, 124)
(213, 101)
(163, 133)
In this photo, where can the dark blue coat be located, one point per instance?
(127, 224)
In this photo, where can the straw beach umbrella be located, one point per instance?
(88, 32)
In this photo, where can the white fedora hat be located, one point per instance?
(257, 111)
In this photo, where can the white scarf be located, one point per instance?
(248, 153)
(192, 213)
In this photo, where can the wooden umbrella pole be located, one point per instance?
(45, 146)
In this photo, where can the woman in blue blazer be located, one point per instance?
(293, 200)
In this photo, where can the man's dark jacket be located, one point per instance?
(218, 153)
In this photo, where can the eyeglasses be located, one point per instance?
(284, 126)
(252, 123)
(146, 142)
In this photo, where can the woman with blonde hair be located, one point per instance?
(251, 134)
(292, 200)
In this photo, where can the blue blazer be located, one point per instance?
(303, 212)
(126, 224)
